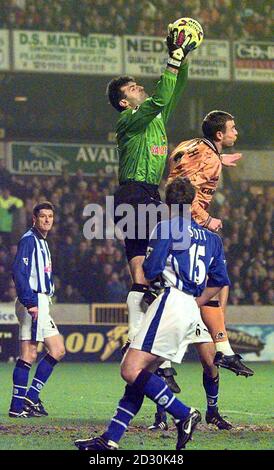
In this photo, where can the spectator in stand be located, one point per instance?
(118, 260)
(5, 176)
(88, 279)
(266, 286)
(234, 300)
(269, 298)
(4, 256)
(116, 291)
(255, 298)
(269, 260)
(8, 208)
(70, 295)
(237, 292)
(245, 255)
(9, 294)
(4, 279)
(248, 289)
(235, 275)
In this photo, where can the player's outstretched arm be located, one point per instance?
(214, 224)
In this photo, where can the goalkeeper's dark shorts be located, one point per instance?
(139, 222)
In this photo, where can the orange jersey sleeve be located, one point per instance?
(197, 160)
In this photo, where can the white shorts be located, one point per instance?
(171, 323)
(43, 328)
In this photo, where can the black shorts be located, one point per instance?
(136, 193)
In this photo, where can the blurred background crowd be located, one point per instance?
(89, 271)
(227, 19)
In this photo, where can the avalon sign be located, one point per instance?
(38, 158)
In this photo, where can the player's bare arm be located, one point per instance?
(206, 295)
(230, 159)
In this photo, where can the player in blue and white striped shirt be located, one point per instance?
(32, 273)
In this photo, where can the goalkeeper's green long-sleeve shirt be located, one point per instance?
(141, 133)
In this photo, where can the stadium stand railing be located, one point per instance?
(108, 314)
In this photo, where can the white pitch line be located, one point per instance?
(151, 405)
(247, 413)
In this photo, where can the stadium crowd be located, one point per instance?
(220, 18)
(89, 271)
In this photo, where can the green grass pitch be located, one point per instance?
(81, 399)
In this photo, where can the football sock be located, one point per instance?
(127, 408)
(225, 348)
(135, 308)
(213, 316)
(161, 411)
(20, 383)
(211, 386)
(156, 389)
(165, 365)
(43, 372)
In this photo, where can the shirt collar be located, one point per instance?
(37, 233)
(211, 144)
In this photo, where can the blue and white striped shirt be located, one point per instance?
(32, 271)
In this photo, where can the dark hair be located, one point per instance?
(42, 205)
(114, 92)
(180, 191)
(215, 121)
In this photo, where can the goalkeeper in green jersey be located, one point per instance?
(142, 147)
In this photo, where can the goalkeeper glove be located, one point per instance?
(149, 297)
(178, 46)
(156, 288)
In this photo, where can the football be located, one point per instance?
(187, 33)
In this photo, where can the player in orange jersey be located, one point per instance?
(200, 160)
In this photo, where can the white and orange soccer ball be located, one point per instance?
(187, 33)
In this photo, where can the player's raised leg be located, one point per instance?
(213, 316)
